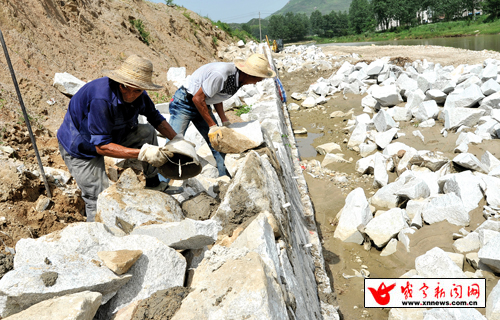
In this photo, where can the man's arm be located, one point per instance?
(220, 111)
(117, 151)
(165, 129)
(201, 105)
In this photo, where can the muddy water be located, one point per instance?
(329, 197)
(477, 43)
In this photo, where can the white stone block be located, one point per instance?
(355, 212)
(465, 99)
(468, 243)
(384, 227)
(493, 303)
(387, 96)
(456, 117)
(490, 87)
(187, 234)
(446, 207)
(435, 263)
(469, 161)
(436, 95)
(76, 306)
(490, 254)
(177, 75)
(67, 83)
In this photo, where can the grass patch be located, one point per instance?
(242, 110)
(191, 20)
(159, 97)
(139, 26)
(459, 28)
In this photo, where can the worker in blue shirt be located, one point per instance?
(102, 120)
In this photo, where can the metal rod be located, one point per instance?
(26, 120)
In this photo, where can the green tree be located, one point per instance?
(317, 23)
(446, 9)
(492, 7)
(360, 16)
(246, 27)
(383, 11)
(277, 28)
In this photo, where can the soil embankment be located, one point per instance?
(81, 37)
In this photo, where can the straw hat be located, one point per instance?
(135, 72)
(256, 65)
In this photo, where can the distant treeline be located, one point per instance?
(366, 16)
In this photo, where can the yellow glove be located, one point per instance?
(213, 134)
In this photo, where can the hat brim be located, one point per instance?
(112, 74)
(240, 64)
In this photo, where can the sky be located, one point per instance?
(231, 11)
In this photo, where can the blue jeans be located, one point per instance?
(182, 111)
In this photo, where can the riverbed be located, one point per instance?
(328, 195)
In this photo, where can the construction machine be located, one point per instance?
(277, 45)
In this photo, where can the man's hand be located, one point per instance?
(226, 123)
(180, 137)
(153, 155)
(212, 135)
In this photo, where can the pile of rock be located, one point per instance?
(307, 58)
(430, 187)
(239, 50)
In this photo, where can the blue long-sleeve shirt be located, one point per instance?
(97, 115)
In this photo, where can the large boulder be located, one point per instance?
(490, 254)
(435, 263)
(469, 161)
(457, 117)
(238, 288)
(67, 83)
(386, 226)
(187, 234)
(465, 185)
(160, 267)
(127, 204)
(493, 303)
(76, 306)
(355, 212)
(386, 197)
(252, 190)
(30, 284)
(446, 207)
(387, 96)
(466, 98)
(383, 121)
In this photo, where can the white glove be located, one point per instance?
(213, 128)
(153, 155)
(180, 137)
(226, 123)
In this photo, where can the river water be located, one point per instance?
(478, 43)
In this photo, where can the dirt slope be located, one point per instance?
(82, 37)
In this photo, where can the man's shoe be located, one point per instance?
(166, 188)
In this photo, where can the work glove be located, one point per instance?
(212, 135)
(180, 137)
(154, 155)
(226, 123)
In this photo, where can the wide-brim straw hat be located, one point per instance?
(256, 65)
(135, 71)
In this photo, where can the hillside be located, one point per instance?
(308, 6)
(83, 37)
